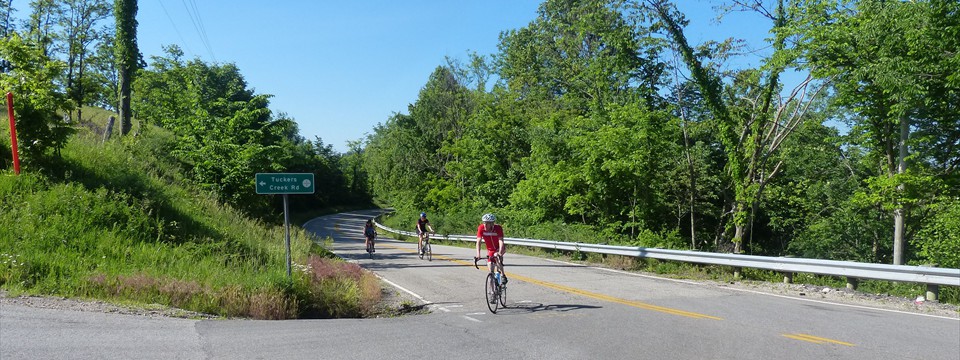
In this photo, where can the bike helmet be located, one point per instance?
(423, 214)
(488, 217)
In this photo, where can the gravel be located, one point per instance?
(392, 304)
(396, 304)
(850, 297)
(62, 303)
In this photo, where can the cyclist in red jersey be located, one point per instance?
(491, 234)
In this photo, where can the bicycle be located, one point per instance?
(496, 291)
(371, 246)
(426, 249)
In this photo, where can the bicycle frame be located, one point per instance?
(423, 246)
(496, 291)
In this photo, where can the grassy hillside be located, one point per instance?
(117, 220)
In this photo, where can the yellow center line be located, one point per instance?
(815, 339)
(586, 293)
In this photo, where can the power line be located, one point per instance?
(203, 29)
(175, 29)
(194, 18)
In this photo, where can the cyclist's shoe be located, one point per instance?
(494, 301)
(504, 279)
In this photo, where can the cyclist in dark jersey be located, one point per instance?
(370, 232)
(423, 227)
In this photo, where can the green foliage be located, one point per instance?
(32, 80)
(584, 55)
(227, 133)
(105, 224)
(579, 141)
(891, 69)
(939, 239)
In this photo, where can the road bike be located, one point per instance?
(371, 240)
(426, 249)
(495, 287)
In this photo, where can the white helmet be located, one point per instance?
(488, 217)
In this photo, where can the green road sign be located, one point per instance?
(285, 183)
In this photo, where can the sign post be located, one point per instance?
(285, 184)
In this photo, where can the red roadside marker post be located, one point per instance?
(13, 134)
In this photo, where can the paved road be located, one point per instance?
(555, 311)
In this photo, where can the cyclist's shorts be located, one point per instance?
(490, 256)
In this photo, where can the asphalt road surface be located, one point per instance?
(554, 310)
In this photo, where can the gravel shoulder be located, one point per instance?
(394, 303)
(92, 305)
(848, 297)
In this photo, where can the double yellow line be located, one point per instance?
(581, 292)
(815, 339)
(636, 304)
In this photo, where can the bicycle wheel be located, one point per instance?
(503, 293)
(429, 251)
(492, 295)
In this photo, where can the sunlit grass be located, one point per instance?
(117, 220)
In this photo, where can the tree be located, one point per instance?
(103, 80)
(568, 70)
(37, 99)
(584, 55)
(126, 53)
(6, 12)
(752, 118)
(78, 20)
(40, 26)
(226, 130)
(894, 65)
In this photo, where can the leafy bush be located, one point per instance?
(32, 81)
(939, 239)
(106, 224)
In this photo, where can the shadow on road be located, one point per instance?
(529, 308)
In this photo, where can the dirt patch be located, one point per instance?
(62, 303)
(393, 304)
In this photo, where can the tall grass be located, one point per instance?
(119, 221)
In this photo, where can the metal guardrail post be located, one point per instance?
(933, 292)
(852, 283)
(788, 278)
(788, 265)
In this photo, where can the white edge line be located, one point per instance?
(839, 304)
(425, 302)
(757, 292)
(472, 319)
(698, 284)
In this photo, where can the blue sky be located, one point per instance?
(341, 67)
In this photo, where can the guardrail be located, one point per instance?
(853, 271)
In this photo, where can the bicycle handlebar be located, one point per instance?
(487, 258)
